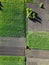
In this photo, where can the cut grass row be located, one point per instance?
(12, 1)
(38, 40)
(30, 1)
(12, 60)
(12, 18)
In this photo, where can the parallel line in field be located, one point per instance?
(18, 51)
(43, 54)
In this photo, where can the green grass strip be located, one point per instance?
(38, 40)
(12, 60)
(12, 18)
(30, 1)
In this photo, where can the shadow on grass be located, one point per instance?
(42, 6)
(1, 6)
(1, 9)
(27, 47)
(36, 19)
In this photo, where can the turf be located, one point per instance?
(12, 60)
(30, 1)
(12, 18)
(38, 40)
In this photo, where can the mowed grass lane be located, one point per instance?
(12, 18)
(38, 40)
(12, 60)
(30, 1)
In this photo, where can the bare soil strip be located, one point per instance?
(33, 53)
(43, 14)
(37, 57)
(12, 41)
(17, 51)
(37, 61)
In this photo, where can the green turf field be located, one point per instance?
(38, 40)
(30, 1)
(12, 18)
(12, 60)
